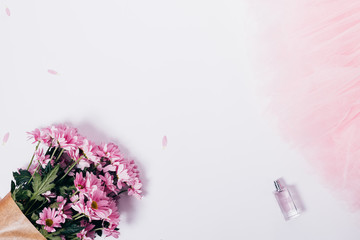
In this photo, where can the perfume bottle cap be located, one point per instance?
(278, 185)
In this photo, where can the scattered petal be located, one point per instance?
(7, 10)
(164, 142)
(6, 138)
(52, 72)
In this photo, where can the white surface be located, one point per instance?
(134, 71)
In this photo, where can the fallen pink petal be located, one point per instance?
(52, 72)
(7, 10)
(6, 138)
(164, 142)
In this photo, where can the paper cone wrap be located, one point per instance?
(13, 223)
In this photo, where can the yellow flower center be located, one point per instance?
(80, 186)
(94, 205)
(49, 222)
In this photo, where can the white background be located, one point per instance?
(132, 71)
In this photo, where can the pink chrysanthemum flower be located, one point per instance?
(122, 173)
(109, 151)
(89, 149)
(114, 217)
(88, 184)
(50, 219)
(83, 162)
(42, 158)
(111, 232)
(64, 209)
(79, 204)
(135, 188)
(92, 182)
(65, 137)
(39, 136)
(108, 181)
(80, 182)
(98, 205)
(86, 233)
(48, 195)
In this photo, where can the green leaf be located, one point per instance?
(52, 237)
(13, 194)
(51, 176)
(36, 182)
(44, 185)
(12, 186)
(64, 190)
(44, 233)
(55, 205)
(47, 169)
(23, 194)
(74, 228)
(34, 217)
(21, 177)
(39, 198)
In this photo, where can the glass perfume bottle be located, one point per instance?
(285, 201)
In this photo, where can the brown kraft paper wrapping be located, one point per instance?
(13, 223)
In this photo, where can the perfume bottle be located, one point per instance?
(285, 201)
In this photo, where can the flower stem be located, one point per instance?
(71, 167)
(37, 146)
(37, 208)
(29, 208)
(74, 193)
(78, 216)
(62, 150)
(52, 155)
(32, 176)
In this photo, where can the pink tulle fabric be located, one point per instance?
(314, 54)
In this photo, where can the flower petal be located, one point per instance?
(7, 10)
(164, 142)
(6, 138)
(53, 72)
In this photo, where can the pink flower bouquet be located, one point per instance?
(69, 190)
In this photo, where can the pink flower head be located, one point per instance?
(109, 183)
(42, 158)
(80, 182)
(109, 151)
(89, 149)
(39, 136)
(75, 155)
(92, 183)
(79, 204)
(111, 231)
(88, 184)
(65, 137)
(64, 209)
(135, 188)
(98, 205)
(83, 163)
(49, 195)
(86, 233)
(114, 217)
(50, 219)
(128, 174)
(122, 173)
